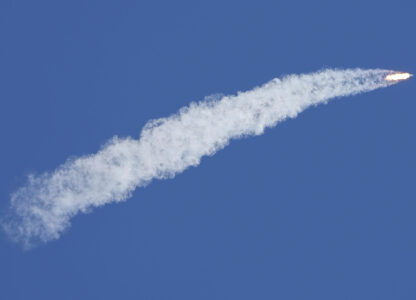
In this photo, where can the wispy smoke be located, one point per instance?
(41, 210)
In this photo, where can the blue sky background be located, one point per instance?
(320, 207)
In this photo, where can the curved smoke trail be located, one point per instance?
(41, 210)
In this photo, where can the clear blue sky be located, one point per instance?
(320, 207)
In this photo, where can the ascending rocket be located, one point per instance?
(398, 76)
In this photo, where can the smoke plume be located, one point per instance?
(42, 209)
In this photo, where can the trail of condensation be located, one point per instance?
(41, 210)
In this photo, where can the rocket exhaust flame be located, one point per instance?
(398, 76)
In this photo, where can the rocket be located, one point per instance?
(398, 76)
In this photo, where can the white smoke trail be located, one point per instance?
(41, 210)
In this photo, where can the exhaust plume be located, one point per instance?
(41, 209)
